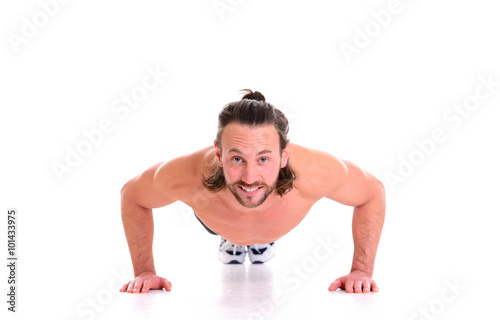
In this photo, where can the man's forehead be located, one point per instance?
(239, 137)
(238, 151)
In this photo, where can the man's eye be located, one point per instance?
(264, 159)
(236, 159)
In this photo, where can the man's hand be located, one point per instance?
(356, 281)
(145, 281)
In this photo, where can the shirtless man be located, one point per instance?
(251, 188)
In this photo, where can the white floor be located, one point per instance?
(295, 287)
(246, 292)
(424, 269)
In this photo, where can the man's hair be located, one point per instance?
(254, 111)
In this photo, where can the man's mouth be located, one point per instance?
(249, 190)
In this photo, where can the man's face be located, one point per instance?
(251, 160)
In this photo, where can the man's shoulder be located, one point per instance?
(317, 170)
(184, 172)
(309, 159)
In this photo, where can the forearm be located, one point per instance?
(139, 228)
(367, 223)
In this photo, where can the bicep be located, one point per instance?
(354, 187)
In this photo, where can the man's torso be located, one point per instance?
(244, 226)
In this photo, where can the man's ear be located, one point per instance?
(284, 155)
(217, 153)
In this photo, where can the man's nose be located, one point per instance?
(249, 174)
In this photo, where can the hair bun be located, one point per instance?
(253, 95)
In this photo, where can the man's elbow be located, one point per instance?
(125, 189)
(126, 192)
(380, 188)
(122, 191)
(376, 193)
(378, 198)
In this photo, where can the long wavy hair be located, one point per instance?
(252, 110)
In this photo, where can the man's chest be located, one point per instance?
(246, 227)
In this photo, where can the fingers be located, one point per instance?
(349, 286)
(354, 285)
(335, 285)
(124, 287)
(366, 286)
(357, 286)
(164, 284)
(138, 285)
(130, 287)
(167, 285)
(133, 286)
(146, 286)
(361, 286)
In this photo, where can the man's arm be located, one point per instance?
(366, 194)
(138, 197)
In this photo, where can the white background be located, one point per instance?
(442, 218)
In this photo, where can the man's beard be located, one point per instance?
(247, 200)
